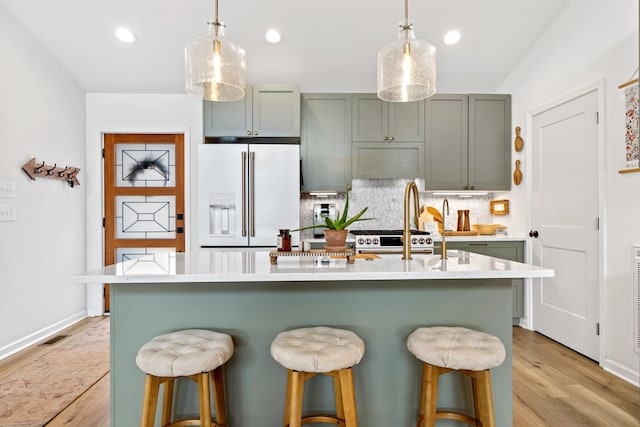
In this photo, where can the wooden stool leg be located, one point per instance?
(348, 397)
(483, 398)
(429, 396)
(150, 400)
(337, 392)
(167, 402)
(218, 399)
(295, 393)
(204, 396)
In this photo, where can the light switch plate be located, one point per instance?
(7, 213)
(7, 190)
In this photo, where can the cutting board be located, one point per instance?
(460, 233)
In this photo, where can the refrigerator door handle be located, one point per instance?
(244, 193)
(252, 199)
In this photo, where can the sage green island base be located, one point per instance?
(241, 294)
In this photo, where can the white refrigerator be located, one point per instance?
(247, 193)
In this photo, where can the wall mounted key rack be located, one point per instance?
(43, 170)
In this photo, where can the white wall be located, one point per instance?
(134, 113)
(590, 42)
(42, 115)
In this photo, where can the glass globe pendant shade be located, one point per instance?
(406, 68)
(215, 68)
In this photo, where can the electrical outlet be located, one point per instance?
(8, 190)
(7, 213)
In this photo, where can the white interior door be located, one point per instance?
(565, 217)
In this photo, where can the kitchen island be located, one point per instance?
(241, 294)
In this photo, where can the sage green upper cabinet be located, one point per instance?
(447, 142)
(388, 138)
(377, 120)
(325, 141)
(265, 111)
(467, 142)
(489, 142)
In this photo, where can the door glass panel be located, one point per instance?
(145, 217)
(145, 165)
(146, 260)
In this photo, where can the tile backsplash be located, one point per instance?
(384, 198)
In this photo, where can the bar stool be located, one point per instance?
(196, 354)
(472, 353)
(307, 352)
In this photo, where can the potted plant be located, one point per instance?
(336, 231)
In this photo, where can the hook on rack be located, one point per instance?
(68, 174)
(38, 169)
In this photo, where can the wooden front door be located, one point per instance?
(143, 199)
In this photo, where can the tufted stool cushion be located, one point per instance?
(184, 353)
(456, 348)
(317, 349)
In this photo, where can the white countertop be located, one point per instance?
(247, 265)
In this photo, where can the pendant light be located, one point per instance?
(215, 68)
(407, 67)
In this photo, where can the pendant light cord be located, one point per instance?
(406, 27)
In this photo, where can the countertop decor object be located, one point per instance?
(336, 229)
(486, 228)
(519, 142)
(499, 207)
(632, 133)
(214, 66)
(406, 67)
(43, 170)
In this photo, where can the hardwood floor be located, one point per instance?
(552, 386)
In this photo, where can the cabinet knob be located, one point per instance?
(248, 132)
(385, 138)
(255, 132)
(392, 138)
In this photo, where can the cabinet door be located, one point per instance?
(276, 110)
(229, 118)
(513, 251)
(489, 147)
(387, 160)
(446, 142)
(406, 121)
(325, 141)
(370, 118)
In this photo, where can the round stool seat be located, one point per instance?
(317, 349)
(184, 353)
(456, 348)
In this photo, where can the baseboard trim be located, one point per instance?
(40, 335)
(622, 372)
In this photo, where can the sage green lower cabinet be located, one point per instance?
(325, 141)
(511, 250)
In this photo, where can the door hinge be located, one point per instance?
(103, 153)
(597, 117)
(598, 223)
(103, 223)
(598, 329)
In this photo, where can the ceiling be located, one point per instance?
(327, 46)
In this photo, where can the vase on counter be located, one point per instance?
(335, 240)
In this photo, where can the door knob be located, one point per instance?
(533, 233)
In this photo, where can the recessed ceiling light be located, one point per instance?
(273, 36)
(125, 35)
(452, 37)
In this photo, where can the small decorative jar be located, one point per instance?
(284, 240)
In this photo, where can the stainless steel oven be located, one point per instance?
(390, 241)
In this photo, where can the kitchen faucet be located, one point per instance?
(406, 234)
(444, 215)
